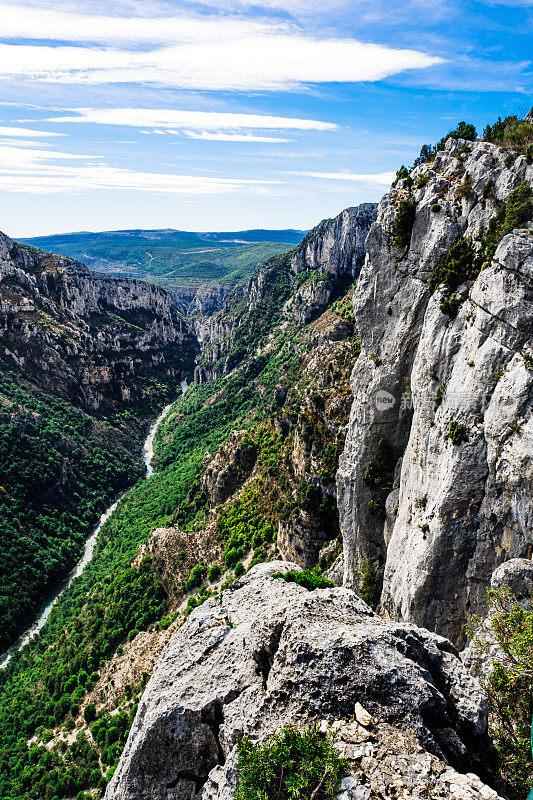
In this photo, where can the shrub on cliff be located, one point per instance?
(289, 765)
(510, 688)
(464, 130)
(516, 212)
(310, 579)
(510, 132)
(404, 220)
(457, 432)
(456, 267)
(368, 585)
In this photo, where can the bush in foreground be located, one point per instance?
(289, 765)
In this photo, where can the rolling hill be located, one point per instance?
(180, 259)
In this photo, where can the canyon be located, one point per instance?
(360, 412)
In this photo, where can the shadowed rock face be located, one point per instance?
(97, 340)
(268, 653)
(455, 511)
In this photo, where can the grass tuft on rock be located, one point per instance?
(310, 579)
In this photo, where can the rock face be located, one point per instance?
(337, 245)
(456, 510)
(335, 252)
(200, 300)
(268, 653)
(97, 340)
(230, 467)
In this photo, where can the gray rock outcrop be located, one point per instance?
(267, 653)
(517, 574)
(460, 508)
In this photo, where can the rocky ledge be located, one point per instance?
(407, 715)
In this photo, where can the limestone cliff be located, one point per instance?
(444, 380)
(97, 340)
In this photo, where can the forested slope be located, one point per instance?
(85, 361)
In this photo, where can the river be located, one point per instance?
(90, 542)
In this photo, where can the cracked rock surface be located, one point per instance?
(269, 653)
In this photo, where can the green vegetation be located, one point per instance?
(403, 174)
(488, 189)
(368, 586)
(464, 130)
(457, 432)
(45, 686)
(439, 394)
(61, 467)
(42, 686)
(510, 688)
(344, 307)
(404, 220)
(196, 576)
(289, 765)
(310, 579)
(456, 267)
(466, 188)
(176, 258)
(514, 213)
(511, 132)
(214, 573)
(378, 477)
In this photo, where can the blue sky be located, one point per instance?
(228, 114)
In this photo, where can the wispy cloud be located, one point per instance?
(37, 171)
(380, 178)
(232, 137)
(197, 124)
(61, 26)
(26, 133)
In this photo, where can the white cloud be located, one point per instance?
(254, 58)
(380, 178)
(14, 158)
(35, 171)
(26, 133)
(231, 137)
(162, 119)
(50, 24)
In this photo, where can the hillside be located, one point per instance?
(182, 261)
(85, 361)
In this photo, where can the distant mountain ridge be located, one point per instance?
(182, 261)
(254, 235)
